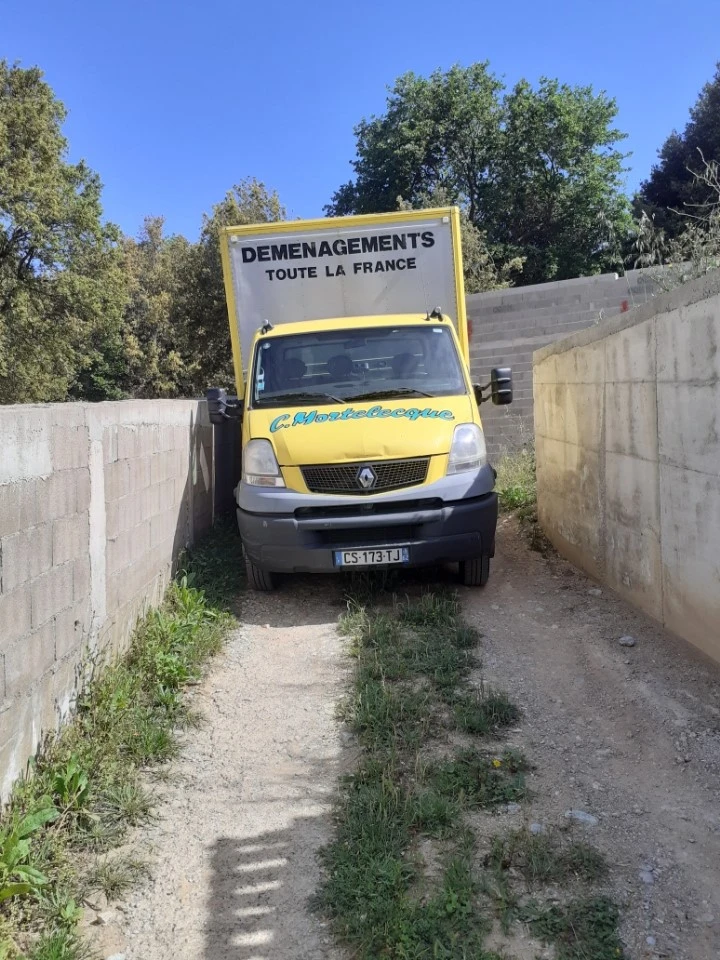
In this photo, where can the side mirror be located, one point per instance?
(501, 385)
(221, 407)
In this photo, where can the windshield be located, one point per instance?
(337, 366)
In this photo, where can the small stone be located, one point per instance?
(537, 828)
(627, 641)
(595, 592)
(650, 941)
(512, 808)
(103, 918)
(582, 817)
(647, 877)
(117, 956)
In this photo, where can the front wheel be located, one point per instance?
(258, 578)
(475, 572)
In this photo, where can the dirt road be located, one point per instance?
(628, 735)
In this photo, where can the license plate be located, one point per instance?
(371, 558)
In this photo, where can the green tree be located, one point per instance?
(156, 357)
(676, 186)
(61, 290)
(481, 271)
(536, 171)
(201, 301)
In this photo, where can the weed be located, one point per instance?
(484, 711)
(384, 713)
(128, 802)
(17, 874)
(71, 786)
(584, 929)
(516, 484)
(61, 945)
(546, 858)
(431, 610)
(115, 875)
(480, 779)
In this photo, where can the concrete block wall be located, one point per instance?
(627, 424)
(96, 501)
(507, 326)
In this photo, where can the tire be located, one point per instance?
(258, 578)
(475, 572)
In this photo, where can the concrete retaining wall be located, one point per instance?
(627, 422)
(96, 501)
(509, 325)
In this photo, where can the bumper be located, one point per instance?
(434, 531)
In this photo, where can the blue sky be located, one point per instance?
(172, 103)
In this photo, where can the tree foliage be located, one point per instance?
(536, 170)
(61, 287)
(694, 250)
(676, 185)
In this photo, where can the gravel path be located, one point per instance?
(235, 851)
(629, 735)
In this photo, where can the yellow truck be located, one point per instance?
(362, 443)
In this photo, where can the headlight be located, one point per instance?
(260, 466)
(468, 451)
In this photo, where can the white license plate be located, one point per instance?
(371, 558)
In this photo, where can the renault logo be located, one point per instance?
(366, 477)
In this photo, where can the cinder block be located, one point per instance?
(82, 490)
(128, 442)
(148, 439)
(110, 443)
(15, 614)
(18, 506)
(70, 538)
(81, 578)
(140, 472)
(28, 659)
(119, 553)
(69, 447)
(167, 437)
(57, 494)
(51, 593)
(117, 480)
(25, 555)
(71, 628)
(151, 502)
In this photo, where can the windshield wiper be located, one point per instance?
(392, 392)
(281, 397)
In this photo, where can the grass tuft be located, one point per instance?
(478, 779)
(584, 929)
(547, 858)
(483, 712)
(516, 483)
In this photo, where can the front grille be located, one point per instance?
(366, 536)
(343, 477)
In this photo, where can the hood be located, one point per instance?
(387, 429)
